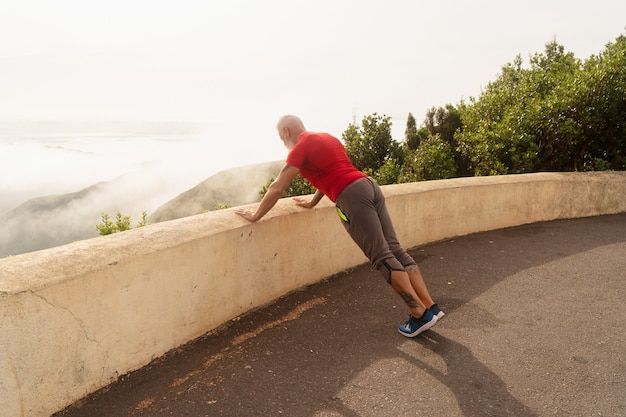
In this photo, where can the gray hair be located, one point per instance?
(291, 122)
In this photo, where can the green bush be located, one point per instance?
(121, 224)
(299, 186)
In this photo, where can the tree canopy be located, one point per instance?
(557, 114)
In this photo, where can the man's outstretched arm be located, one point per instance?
(274, 192)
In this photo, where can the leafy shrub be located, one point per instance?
(299, 186)
(121, 224)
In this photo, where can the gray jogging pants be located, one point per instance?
(362, 209)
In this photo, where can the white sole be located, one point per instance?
(422, 329)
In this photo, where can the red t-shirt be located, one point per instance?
(323, 161)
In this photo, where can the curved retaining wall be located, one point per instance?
(76, 317)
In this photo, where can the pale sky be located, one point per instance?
(250, 61)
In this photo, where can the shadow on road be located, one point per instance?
(477, 389)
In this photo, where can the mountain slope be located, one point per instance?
(54, 220)
(232, 187)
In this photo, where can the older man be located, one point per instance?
(322, 160)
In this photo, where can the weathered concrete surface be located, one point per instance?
(535, 326)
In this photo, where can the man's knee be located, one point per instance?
(387, 266)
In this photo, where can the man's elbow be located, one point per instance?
(277, 189)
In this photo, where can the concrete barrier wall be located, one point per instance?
(76, 317)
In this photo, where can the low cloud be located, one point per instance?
(55, 187)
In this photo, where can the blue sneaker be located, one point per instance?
(412, 327)
(436, 311)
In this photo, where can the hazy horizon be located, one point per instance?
(71, 173)
(46, 158)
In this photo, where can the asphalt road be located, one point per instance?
(535, 325)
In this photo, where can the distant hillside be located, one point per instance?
(55, 220)
(49, 221)
(233, 187)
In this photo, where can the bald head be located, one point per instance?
(290, 128)
(291, 122)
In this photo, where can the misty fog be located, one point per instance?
(56, 179)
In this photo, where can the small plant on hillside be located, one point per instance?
(222, 206)
(121, 224)
(144, 219)
(106, 227)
